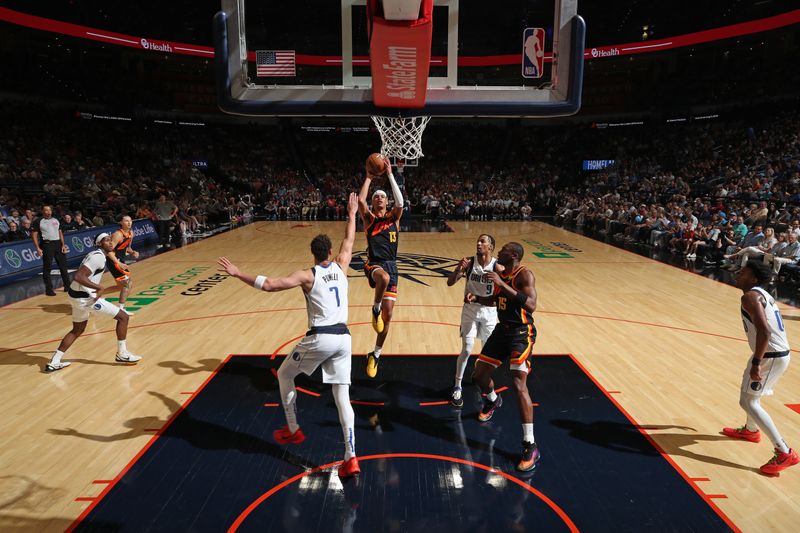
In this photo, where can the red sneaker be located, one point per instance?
(742, 433)
(283, 436)
(349, 468)
(780, 461)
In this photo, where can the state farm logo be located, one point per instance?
(13, 258)
(401, 77)
(155, 46)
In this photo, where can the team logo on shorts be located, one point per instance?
(97, 306)
(413, 266)
(296, 356)
(756, 386)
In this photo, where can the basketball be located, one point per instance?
(376, 165)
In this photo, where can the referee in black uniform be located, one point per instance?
(49, 241)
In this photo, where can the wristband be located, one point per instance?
(756, 361)
(259, 282)
(521, 298)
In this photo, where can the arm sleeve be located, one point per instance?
(398, 196)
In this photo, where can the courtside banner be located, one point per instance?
(19, 260)
(400, 56)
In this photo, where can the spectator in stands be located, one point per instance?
(788, 254)
(14, 234)
(25, 227)
(79, 222)
(764, 247)
(68, 224)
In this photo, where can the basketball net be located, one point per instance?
(401, 136)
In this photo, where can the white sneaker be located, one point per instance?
(52, 367)
(128, 358)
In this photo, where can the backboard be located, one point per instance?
(512, 58)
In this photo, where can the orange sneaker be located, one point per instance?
(349, 468)
(282, 435)
(780, 461)
(742, 433)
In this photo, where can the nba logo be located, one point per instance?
(532, 52)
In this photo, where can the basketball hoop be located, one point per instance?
(401, 136)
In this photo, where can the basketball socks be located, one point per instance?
(341, 395)
(757, 414)
(376, 308)
(527, 433)
(491, 396)
(377, 351)
(286, 377)
(122, 347)
(290, 409)
(463, 359)
(57, 356)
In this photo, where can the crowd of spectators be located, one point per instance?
(705, 189)
(716, 193)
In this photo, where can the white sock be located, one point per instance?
(377, 351)
(467, 343)
(341, 395)
(122, 347)
(57, 355)
(752, 404)
(121, 306)
(286, 377)
(376, 307)
(492, 396)
(527, 432)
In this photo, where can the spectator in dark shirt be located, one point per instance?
(68, 224)
(14, 233)
(79, 222)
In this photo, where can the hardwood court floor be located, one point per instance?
(668, 342)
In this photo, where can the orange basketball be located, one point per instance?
(376, 165)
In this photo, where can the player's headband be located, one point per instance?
(378, 193)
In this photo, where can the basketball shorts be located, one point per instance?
(390, 267)
(772, 368)
(514, 345)
(333, 353)
(83, 307)
(118, 269)
(478, 321)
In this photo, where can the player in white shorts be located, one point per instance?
(476, 319)
(327, 342)
(771, 355)
(84, 295)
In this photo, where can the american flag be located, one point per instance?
(275, 63)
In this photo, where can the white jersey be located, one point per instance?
(326, 302)
(477, 282)
(777, 332)
(96, 262)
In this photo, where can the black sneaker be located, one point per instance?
(456, 397)
(489, 408)
(50, 292)
(530, 457)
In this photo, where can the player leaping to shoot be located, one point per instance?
(382, 228)
(327, 343)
